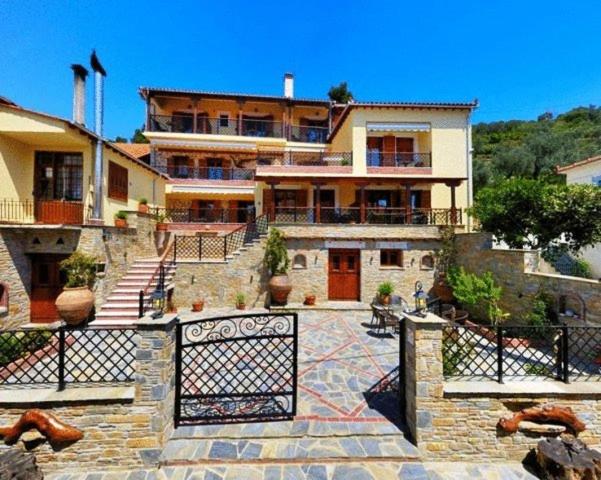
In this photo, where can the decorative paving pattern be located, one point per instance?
(316, 471)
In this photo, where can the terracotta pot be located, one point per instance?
(198, 306)
(309, 300)
(279, 288)
(442, 289)
(384, 299)
(161, 227)
(241, 306)
(120, 223)
(143, 208)
(75, 304)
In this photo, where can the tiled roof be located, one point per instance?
(580, 163)
(137, 150)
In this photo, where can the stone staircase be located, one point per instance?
(122, 305)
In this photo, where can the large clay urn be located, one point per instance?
(279, 288)
(75, 304)
(442, 289)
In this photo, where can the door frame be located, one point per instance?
(357, 252)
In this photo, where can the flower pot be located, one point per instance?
(143, 208)
(384, 299)
(161, 227)
(442, 289)
(309, 300)
(241, 306)
(75, 304)
(198, 306)
(120, 223)
(279, 288)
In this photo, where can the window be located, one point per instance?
(391, 258)
(224, 120)
(299, 262)
(118, 182)
(59, 176)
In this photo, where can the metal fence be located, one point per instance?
(64, 355)
(525, 352)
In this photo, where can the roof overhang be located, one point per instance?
(397, 127)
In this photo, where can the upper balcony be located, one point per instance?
(245, 127)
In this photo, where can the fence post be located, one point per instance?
(61, 358)
(499, 354)
(225, 248)
(141, 304)
(175, 249)
(565, 342)
(199, 247)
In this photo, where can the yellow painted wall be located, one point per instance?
(314, 112)
(215, 107)
(16, 169)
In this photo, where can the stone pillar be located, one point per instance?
(155, 381)
(423, 376)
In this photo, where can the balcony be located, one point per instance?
(206, 173)
(371, 216)
(50, 212)
(248, 127)
(204, 215)
(310, 159)
(378, 159)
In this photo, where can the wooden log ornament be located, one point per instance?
(543, 414)
(47, 424)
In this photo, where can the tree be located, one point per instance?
(119, 139)
(340, 93)
(139, 137)
(538, 214)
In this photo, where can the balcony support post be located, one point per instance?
(408, 213)
(272, 207)
(195, 116)
(240, 107)
(362, 206)
(317, 203)
(453, 185)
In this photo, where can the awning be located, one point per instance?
(397, 127)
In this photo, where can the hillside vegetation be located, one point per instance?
(532, 149)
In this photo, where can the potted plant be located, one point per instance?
(75, 303)
(121, 219)
(143, 205)
(309, 299)
(161, 220)
(198, 305)
(445, 259)
(240, 301)
(385, 290)
(277, 262)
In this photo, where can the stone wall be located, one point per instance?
(124, 426)
(516, 271)
(457, 421)
(350, 232)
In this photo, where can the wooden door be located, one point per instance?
(46, 284)
(404, 151)
(344, 274)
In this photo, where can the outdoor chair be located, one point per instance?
(386, 319)
(376, 311)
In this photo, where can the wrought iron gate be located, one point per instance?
(236, 369)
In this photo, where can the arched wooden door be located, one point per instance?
(344, 275)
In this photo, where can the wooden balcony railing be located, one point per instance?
(53, 212)
(206, 173)
(313, 159)
(307, 134)
(204, 215)
(372, 216)
(399, 160)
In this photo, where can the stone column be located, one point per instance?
(155, 381)
(423, 376)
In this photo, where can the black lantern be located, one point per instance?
(421, 299)
(158, 303)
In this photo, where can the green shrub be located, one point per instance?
(143, 201)
(385, 289)
(240, 298)
(80, 269)
(276, 254)
(14, 346)
(453, 355)
(582, 269)
(121, 215)
(542, 311)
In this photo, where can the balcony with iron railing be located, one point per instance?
(203, 215)
(377, 159)
(176, 171)
(248, 127)
(49, 212)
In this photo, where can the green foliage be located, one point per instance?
(240, 298)
(582, 269)
(532, 149)
(143, 201)
(477, 291)
(276, 254)
(14, 346)
(139, 137)
(446, 254)
(537, 369)
(340, 93)
(534, 213)
(80, 269)
(542, 311)
(119, 139)
(453, 355)
(121, 215)
(385, 289)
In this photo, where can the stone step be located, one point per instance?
(118, 314)
(119, 306)
(123, 298)
(289, 450)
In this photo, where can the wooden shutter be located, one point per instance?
(267, 200)
(388, 147)
(404, 145)
(301, 198)
(117, 182)
(426, 199)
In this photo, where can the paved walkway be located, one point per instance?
(348, 471)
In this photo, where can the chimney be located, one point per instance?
(79, 93)
(99, 74)
(288, 85)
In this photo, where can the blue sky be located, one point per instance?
(519, 58)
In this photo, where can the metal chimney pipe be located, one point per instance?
(288, 85)
(99, 74)
(79, 93)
